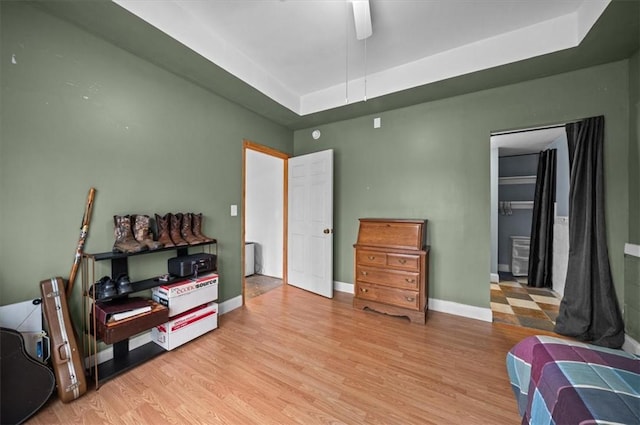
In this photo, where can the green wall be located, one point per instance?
(78, 112)
(432, 161)
(632, 264)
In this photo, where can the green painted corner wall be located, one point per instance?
(632, 264)
(634, 148)
(79, 112)
(433, 160)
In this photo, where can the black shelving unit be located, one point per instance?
(123, 358)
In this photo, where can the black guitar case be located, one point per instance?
(26, 384)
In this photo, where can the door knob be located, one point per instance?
(327, 231)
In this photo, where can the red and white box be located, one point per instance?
(186, 326)
(187, 293)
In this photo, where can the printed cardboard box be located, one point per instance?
(186, 326)
(186, 294)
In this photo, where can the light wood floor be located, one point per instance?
(290, 357)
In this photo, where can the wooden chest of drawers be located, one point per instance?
(391, 267)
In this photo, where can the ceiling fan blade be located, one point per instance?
(362, 19)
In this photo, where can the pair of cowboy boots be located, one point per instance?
(181, 229)
(133, 234)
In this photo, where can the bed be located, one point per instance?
(558, 381)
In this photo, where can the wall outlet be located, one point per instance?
(234, 210)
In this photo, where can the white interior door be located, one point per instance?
(310, 222)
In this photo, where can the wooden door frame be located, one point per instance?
(249, 145)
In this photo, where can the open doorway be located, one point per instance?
(514, 168)
(265, 216)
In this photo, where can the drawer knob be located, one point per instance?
(410, 299)
(402, 261)
(364, 273)
(410, 280)
(364, 290)
(371, 257)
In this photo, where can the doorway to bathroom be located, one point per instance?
(264, 218)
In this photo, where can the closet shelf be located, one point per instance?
(517, 180)
(516, 205)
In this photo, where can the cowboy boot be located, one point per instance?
(176, 222)
(143, 234)
(164, 225)
(185, 229)
(125, 242)
(197, 228)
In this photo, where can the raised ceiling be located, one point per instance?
(304, 53)
(298, 63)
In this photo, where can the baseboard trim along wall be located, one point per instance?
(230, 305)
(504, 268)
(464, 310)
(443, 306)
(632, 249)
(494, 278)
(224, 307)
(343, 287)
(450, 307)
(631, 345)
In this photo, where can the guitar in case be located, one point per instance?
(26, 384)
(65, 356)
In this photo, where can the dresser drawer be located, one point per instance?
(404, 261)
(372, 258)
(393, 278)
(397, 297)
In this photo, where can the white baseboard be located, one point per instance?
(450, 307)
(504, 268)
(632, 249)
(343, 287)
(229, 305)
(464, 310)
(144, 338)
(494, 278)
(631, 345)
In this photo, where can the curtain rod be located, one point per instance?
(525, 130)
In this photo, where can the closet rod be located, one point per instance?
(520, 154)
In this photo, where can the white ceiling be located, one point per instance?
(304, 55)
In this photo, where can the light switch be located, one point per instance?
(376, 122)
(234, 210)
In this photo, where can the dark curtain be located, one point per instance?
(541, 245)
(589, 310)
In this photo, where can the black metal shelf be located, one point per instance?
(126, 360)
(182, 250)
(123, 359)
(141, 285)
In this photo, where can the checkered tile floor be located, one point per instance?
(515, 303)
